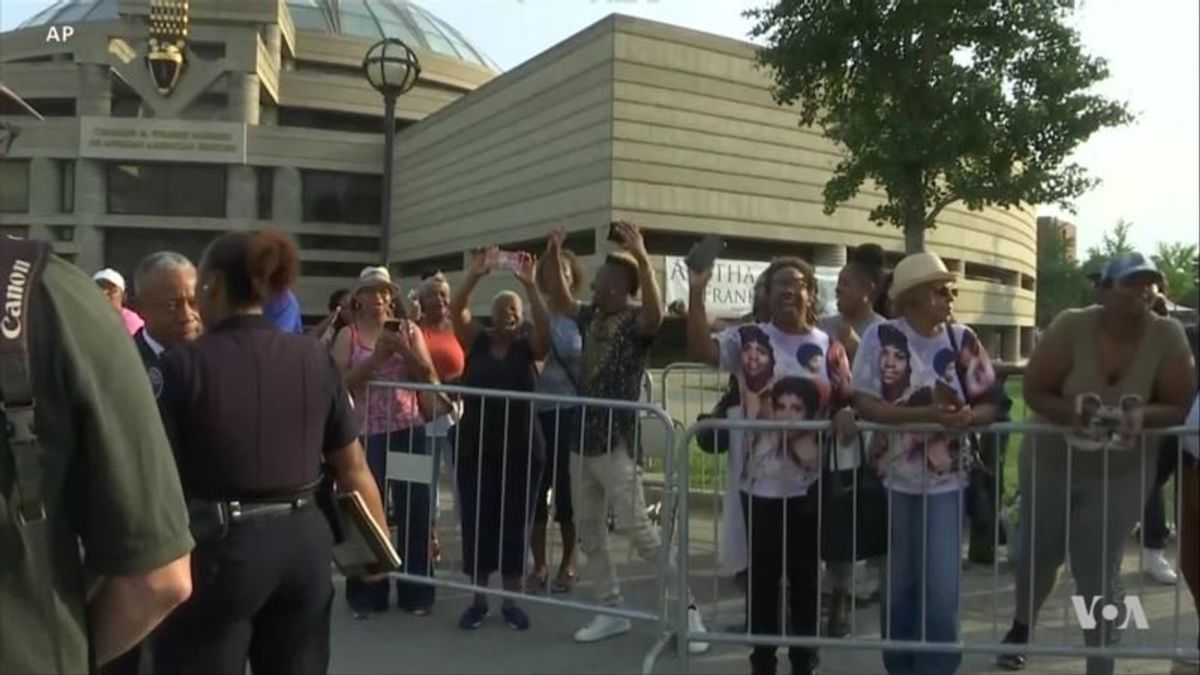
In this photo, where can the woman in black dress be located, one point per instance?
(500, 447)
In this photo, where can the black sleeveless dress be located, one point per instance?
(501, 456)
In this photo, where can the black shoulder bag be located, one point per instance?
(21, 265)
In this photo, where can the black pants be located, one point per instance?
(1154, 518)
(136, 661)
(774, 524)
(261, 594)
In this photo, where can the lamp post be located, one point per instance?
(392, 68)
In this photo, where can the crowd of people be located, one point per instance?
(256, 414)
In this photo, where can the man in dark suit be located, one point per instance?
(165, 292)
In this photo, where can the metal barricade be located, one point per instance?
(1079, 509)
(499, 476)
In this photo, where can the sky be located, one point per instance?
(1150, 170)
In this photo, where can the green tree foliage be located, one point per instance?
(978, 101)
(1061, 282)
(1113, 244)
(1179, 263)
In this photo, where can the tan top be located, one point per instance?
(1163, 342)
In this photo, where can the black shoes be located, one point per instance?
(1017, 635)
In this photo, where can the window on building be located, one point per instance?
(340, 270)
(335, 197)
(264, 191)
(66, 186)
(166, 190)
(326, 242)
(125, 247)
(451, 262)
(53, 107)
(14, 186)
(330, 120)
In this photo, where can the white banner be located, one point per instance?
(731, 291)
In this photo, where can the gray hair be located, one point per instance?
(432, 282)
(158, 262)
(508, 295)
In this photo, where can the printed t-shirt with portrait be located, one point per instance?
(783, 377)
(897, 365)
(612, 364)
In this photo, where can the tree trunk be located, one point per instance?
(914, 239)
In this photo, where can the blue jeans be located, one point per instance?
(410, 512)
(926, 533)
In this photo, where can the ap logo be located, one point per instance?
(1085, 613)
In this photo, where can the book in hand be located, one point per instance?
(365, 547)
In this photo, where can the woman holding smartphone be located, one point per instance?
(381, 347)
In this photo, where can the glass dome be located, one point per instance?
(368, 19)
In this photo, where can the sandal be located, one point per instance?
(563, 583)
(536, 583)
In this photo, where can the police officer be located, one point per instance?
(107, 482)
(250, 411)
(165, 290)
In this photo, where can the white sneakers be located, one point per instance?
(1156, 566)
(696, 625)
(603, 627)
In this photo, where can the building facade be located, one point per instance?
(675, 130)
(273, 123)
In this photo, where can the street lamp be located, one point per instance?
(392, 68)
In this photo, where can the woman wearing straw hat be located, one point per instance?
(921, 580)
(379, 346)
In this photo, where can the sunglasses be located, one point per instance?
(946, 293)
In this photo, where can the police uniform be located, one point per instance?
(108, 478)
(250, 411)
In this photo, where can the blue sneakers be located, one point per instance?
(515, 617)
(473, 617)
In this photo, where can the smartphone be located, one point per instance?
(392, 325)
(508, 260)
(704, 254)
(613, 235)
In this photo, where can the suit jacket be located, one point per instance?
(152, 362)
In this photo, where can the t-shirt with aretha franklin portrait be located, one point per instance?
(897, 365)
(783, 377)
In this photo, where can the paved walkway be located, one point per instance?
(400, 643)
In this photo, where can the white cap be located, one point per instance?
(111, 276)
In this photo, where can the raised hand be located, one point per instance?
(480, 260)
(629, 237)
(699, 280)
(525, 269)
(554, 243)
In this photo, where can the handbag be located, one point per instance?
(854, 506)
(980, 464)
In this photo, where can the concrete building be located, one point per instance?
(1050, 226)
(273, 123)
(675, 130)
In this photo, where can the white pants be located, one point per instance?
(598, 484)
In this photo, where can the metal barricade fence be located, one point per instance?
(500, 474)
(1079, 508)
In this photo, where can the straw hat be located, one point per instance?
(915, 270)
(370, 277)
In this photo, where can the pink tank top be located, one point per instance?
(386, 410)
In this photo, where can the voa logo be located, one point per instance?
(1085, 612)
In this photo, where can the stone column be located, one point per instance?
(273, 40)
(244, 97)
(95, 91)
(89, 205)
(241, 199)
(1011, 343)
(44, 186)
(286, 193)
(829, 255)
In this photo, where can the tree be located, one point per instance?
(1179, 263)
(1061, 282)
(1111, 245)
(978, 101)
